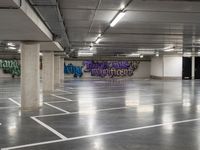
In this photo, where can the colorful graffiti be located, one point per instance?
(75, 70)
(10, 67)
(111, 68)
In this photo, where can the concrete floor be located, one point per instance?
(104, 115)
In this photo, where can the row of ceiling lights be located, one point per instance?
(118, 17)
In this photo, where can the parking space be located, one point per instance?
(84, 117)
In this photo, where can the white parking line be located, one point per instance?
(67, 99)
(64, 91)
(103, 134)
(49, 128)
(14, 101)
(1, 108)
(56, 108)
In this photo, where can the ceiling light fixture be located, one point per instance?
(84, 54)
(41, 54)
(117, 18)
(99, 35)
(12, 47)
(157, 54)
(141, 56)
(169, 49)
(98, 40)
(10, 44)
(133, 55)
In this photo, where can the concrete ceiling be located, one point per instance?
(148, 24)
(20, 23)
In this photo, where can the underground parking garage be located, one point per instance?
(99, 74)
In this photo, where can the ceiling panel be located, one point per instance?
(78, 4)
(165, 5)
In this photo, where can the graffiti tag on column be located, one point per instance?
(10, 67)
(75, 70)
(111, 68)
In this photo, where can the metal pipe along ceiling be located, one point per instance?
(50, 13)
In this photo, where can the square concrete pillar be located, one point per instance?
(30, 76)
(62, 69)
(57, 70)
(48, 72)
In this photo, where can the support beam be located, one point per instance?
(56, 70)
(30, 76)
(48, 72)
(62, 69)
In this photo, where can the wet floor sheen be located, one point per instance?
(115, 114)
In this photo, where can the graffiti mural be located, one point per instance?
(75, 70)
(111, 68)
(10, 67)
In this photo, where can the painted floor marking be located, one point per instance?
(107, 109)
(67, 99)
(103, 134)
(64, 91)
(14, 101)
(1, 108)
(56, 108)
(49, 128)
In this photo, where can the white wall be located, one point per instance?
(157, 66)
(143, 70)
(173, 66)
(167, 66)
(3, 75)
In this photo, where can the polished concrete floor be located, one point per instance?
(115, 114)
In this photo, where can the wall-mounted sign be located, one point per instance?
(10, 66)
(75, 70)
(111, 68)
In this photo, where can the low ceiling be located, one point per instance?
(147, 24)
(19, 23)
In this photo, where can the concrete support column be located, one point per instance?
(48, 71)
(193, 67)
(57, 70)
(30, 76)
(62, 69)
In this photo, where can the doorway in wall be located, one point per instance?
(197, 67)
(187, 68)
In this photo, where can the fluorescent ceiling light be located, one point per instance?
(10, 44)
(133, 55)
(157, 54)
(98, 40)
(99, 35)
(169, 50)
(12, 47)
(141, 56)
(117, 19)
(41, 54)
(85, 54)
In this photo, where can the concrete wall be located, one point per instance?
(3, 75)
(173, 67)
(143, 70)
(166, 67)
(157, 66)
